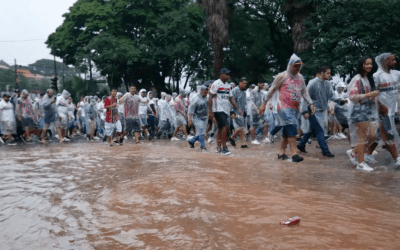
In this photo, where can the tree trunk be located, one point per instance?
(297, 13)
(218, 59)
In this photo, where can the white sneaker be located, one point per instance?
(56, 136)
(271, 138)
(1, 140)
(369, 158)
(66, 139)
(342, 136)
(375, 152)
(174, 139)
(267, 141)
(96, 138)
(125, 137)
(364, 167)
(255, 142)
(189, 137)
(335, 137)
(397, 162)
(210, 140)
(352, 157)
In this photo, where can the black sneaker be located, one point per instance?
(151, 137)
(329, 154)
(244, 146)
(303, 150)
(283, 157)
(191, 145)
(225, 151)
(297, 158)
(232, 141)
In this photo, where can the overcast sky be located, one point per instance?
(28, 20)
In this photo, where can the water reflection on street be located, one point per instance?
(163, 195)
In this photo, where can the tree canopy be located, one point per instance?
(164, 44)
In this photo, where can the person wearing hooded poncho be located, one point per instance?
(7, 118)
(198, 115)
(25, 114)
(90, 114)
(121, 112)
(180, 109)
(151, 112)
(71, 118)
(256, 98)
(62, 111)
(112, 120)
(49, 112)
(143, 108)
(165, 115)
(363, 117)
(386, 81)
(320, 92)
(101, 116)
(290, 87)
(131, 103)
(239, 122)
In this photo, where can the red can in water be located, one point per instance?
(291, 221)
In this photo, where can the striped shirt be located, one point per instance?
(112, 113)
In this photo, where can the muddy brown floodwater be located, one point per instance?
(163, 195)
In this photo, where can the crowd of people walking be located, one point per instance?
(221, 112)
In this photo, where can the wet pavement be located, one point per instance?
(163, 195)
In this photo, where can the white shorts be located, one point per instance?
(111, 126)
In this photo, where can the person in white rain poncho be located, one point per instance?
(131, 103)
(198, 115)
(62, 110)
(24, 112)
(151, 113)
(335, 112)
(121, 113)
(180, 109)
(165, 115)
(143, 108)
(320, 92)
(363, 119)
(101, 116)
(386, 81)
(49, 112)
(7, 118)
(90, 114)
(239, 123)
(290, 87)
(256, 98)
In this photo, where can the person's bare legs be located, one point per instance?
(284, 143)
(137, 136)
(266, 128)
(236, 133)
(292, 144)
(184, 130)
(60, 134)
(252, 132)
(219, 132)
(44, 132)
(27, 134)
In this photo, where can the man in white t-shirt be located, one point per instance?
(219, 105)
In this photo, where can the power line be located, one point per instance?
(15, 41)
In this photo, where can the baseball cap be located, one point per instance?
(224, 71)
(243, 78)
(297, 62)
(17, 91)
(6, 95)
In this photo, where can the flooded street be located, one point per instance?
(163, 195)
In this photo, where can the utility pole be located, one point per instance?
(16, 74)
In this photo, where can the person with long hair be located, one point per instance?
(363, 116)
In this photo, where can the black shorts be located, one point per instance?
(132, 125)
(222, 119)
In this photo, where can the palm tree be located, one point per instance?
(218, 18)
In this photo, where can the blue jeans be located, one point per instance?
(315, 127)
(83, 119)
(200, 138)
(275, 130)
